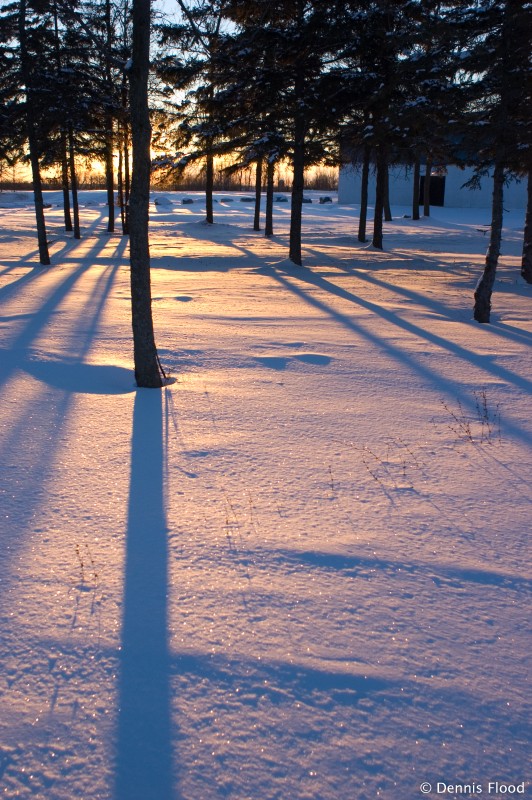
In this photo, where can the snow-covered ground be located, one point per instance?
(300, 571)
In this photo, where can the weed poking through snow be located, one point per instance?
(484, 428)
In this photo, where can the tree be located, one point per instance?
(249, 103)
(282, 49)
(12, 123)
(71, 110)
(526, 263)
(148, 370)
(377, 39)
(362, 220)
(431, 98)
(200, 129)
(30, 74)
(499, 62)
(108, 116)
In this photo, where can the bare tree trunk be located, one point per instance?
(484, 288)
(296, 214)
(44, 255)
(364, 195)
(120, 183)
(148, 371)
(127, 176)
(209, 185)
(64, 181)
(123, 144)
(415, 192)
(73, 182)
(109, 137)
(109, 177)
(387, 210)
(379, 197)
(268, 223)
(526, 263)
(63, 142)
(426, 189)
(258, 191)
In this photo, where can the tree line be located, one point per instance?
(415, 82)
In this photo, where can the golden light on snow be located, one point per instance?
(297, 570)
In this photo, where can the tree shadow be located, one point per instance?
(436, 306)
(352, 566)
(27, 448)
(232, 253)
(304, 275)
(144, 757)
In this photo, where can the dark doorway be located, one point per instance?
(437, 190)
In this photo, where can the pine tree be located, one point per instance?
(148, 370)
(12, 124)
(526, 261)
(190, 69)
(33, 36)
(285, 47)
(498, 132)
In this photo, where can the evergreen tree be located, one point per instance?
(190, 69)
(34, 47)
(526, 261)
(285, 47)
(374, 91)
(498, 129)
(148, 370)
(250, 104)
(12, 125)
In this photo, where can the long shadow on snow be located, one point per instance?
(144, 756)
(56, 235)
(353, 565)
(214, 234)
(496, 327)
(325, 686)
(304, 275)
(390, 316)
(43, 316)
(368, 274)
(27, 451)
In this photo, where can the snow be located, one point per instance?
(300, 571)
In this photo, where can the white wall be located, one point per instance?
(401, 188)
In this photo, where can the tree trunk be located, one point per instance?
(268, 222)
(300, 133)
(298, 183)
(44, 255)
(109, 177)
(127, 176)
(123, 143)
(426, 189)
(148, 371)
(387, 210)
(120, 184)
(109, 137)
(258, 191)
(526, 263)
(415, 192)
(73, 182)
(65, 185)
(209, 185)
(484, 288)
(296, 214)
(63, 143)
(379, 197)
(364, 195)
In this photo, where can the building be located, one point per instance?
(446, 188)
